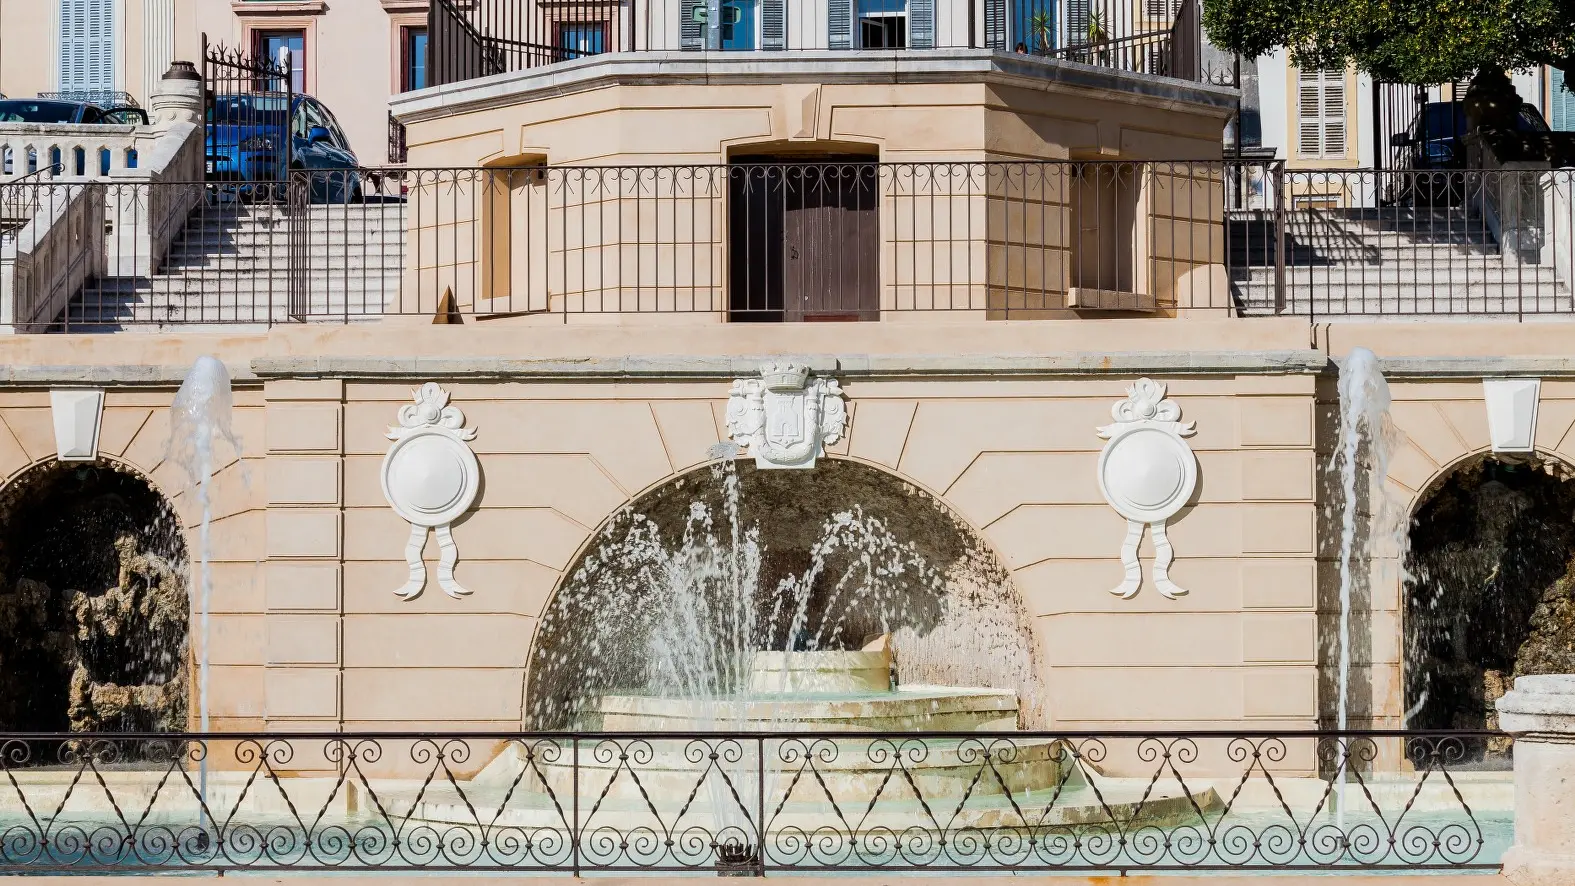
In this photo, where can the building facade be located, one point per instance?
(352, 55)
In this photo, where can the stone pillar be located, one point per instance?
(1540, 713)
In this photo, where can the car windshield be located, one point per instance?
(18, 111)
(1529, 120)
(249, 110)
(1445, 119)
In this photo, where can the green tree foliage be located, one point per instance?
(1403, 41)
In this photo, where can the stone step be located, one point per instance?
(332, 262)
(1381, 275)
(1356, 306)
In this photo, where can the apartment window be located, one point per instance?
(270, 43)
(1561, 103)
(1320, 114)
(414, 67)
(883, 24)
(580, 39)
(87, 46)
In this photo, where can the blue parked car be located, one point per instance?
(253, 140)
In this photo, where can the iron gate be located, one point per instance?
(248, 101)
(1408, 118)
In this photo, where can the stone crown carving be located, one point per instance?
(785, 417)
(1147, 473)
(430, 478)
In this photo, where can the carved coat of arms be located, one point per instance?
(786, 417)
(1147, 472)
(430, 478)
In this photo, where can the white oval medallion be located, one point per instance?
(1147, 474)
(430, 478)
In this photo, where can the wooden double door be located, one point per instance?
(803, 239)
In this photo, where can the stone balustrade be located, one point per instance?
(79, 206)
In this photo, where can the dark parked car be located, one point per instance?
(1434, 148)
(1437, 132)
(254, 140)
(40, 110)
(44, 110)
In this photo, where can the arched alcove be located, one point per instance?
(1490, 591)
(94, 612)
(719, 559)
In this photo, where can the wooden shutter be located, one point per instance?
(691, 32)
(921, 24)
(1076, 22)
(773, 24)
(994, 24)
(1320, 113)
(1561, 103)
(87, 45)
(839, 24)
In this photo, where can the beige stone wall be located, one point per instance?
(907, 122)
(308, 635)
(1016, 460)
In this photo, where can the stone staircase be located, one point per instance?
(1392, 260)
(230, 269)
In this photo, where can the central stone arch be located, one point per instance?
(864, 551)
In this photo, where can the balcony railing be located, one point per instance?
(752, 803)
(784, 242)
(486, 37)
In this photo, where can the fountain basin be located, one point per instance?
(831, 671)
(933, 708)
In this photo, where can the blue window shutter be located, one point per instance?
(1561, 103)
(921, 24)
(773, 24)
(87, 45)
(839, 24)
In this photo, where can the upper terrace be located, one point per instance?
(670, 184)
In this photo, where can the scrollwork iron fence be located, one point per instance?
(753, 802)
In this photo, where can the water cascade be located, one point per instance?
(702, 600)
(1364, 445)
(200, 413)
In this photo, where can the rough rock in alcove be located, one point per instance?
(93, 604)
(1550, 649)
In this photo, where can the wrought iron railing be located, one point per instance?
(752, 802)
(486, 37)
(849, 240)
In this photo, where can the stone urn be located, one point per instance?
(1491, 102)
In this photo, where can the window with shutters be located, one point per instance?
(1162, 10)
(87, 46)
(1077, 14)
(1321, 114)
(1561, 102)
